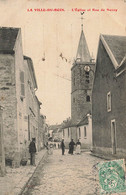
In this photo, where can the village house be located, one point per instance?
(82, 76)
(109, 97)
(67, 131)
(21, 113)
(84, 132)
(55, 132)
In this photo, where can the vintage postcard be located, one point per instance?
(62, 97)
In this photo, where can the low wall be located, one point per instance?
(107, 152)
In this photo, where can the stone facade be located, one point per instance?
(81, 90)
(8, 101)
(108, 123)
(21, 116)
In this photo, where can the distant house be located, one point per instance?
(109, 97)
(84, 132)
(67, 131)
(54, 132)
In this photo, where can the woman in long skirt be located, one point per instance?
(78, 147)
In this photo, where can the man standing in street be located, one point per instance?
(62, 146)
(32, 151)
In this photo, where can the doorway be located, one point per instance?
(113, 136)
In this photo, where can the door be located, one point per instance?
(113, 136)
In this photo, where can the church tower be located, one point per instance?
(82, 76)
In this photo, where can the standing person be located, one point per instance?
(32, 151)
(62, 146)
(71, 146)
(78, 147)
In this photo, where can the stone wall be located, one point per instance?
(8, 101)
(21, 116)
(80, 90)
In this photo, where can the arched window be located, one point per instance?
(85, 132)
(88, 98)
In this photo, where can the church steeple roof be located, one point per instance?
(83, 54)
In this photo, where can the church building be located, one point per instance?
(82, 76)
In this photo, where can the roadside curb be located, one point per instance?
(26, 184)
(102, 156)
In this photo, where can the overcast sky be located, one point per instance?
(50, 33)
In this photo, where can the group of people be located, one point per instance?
(32, 149)
(71, 147)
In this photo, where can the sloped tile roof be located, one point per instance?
(84, 121)
(117, 45)
(68, 124)
(54, 127)
(83, 52)
(7, 38)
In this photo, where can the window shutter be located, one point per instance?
(22, 83)
(22, 77)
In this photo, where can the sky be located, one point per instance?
(47, 34)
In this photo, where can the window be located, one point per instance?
(108, 101)
(88, 98)
(68, 132)
(85, 132)
(79, 133)
(87, 76)
(22, 83)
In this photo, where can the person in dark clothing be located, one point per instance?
(62, 146)
(32, 151)
(71, 146)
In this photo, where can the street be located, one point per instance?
(68, 174)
